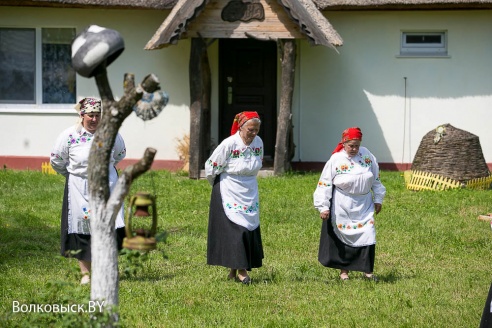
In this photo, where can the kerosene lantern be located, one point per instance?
(140, 238)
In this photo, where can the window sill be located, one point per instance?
(422, 56)
(36, 109)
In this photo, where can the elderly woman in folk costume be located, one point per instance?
(234, 237)
(70, 157)
(348, 195)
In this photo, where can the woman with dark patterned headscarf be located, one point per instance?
(234, 237)
(70, 158)
(348, 195)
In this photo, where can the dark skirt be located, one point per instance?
(333, 253)
(229, 244)
(486, 321)
(78, 245)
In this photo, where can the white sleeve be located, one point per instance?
(119, 149)
(60, 154)
(217, 162)
(378, 190)
(322, 194)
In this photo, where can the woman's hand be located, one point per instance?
(377, 207)
(324, 215)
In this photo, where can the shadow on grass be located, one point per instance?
(26, 235)
(393, 277)
(144, 277)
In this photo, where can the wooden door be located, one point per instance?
(248, 82)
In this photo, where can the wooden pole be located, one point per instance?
(200, 89)
(284, 141)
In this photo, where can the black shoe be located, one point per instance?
(372, 277)
(246, 280)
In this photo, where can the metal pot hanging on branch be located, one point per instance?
(94, 49)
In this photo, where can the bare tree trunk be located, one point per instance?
(105, 207)
(200, 89)
(283, 147)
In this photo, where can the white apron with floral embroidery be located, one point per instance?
(240, 199)
(79, 213)
(353, 210)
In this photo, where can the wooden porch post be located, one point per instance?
(200, 89)
(284, 147)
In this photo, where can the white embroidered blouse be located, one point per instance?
(237, 166)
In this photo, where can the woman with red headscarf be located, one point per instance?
(348, 195)
(234, 237)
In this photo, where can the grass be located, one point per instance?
(433, 258)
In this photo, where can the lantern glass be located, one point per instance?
(141, 237)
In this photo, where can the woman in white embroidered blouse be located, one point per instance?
(70, 157)
(234, 237)
(348, 195)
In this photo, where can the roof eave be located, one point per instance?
(312, 23)
(176, 23)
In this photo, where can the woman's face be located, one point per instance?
(249, 131)
(352, 147)
(90, 121)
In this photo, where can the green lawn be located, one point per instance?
(433, 258)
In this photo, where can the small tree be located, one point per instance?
(105, 205)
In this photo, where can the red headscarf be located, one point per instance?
(242, 118)
(349, 134)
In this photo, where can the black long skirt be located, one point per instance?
(75, 245)
(333, 253)
(229, 244)
(486, 321)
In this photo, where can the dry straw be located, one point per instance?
(183, 150)
(449, 157)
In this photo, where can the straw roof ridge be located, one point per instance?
(320, 4)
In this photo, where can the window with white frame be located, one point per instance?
(35, 66)
(424, 43)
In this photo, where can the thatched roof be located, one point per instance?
(107, 4)
(320, 4)
(401, 4)
(305, 13)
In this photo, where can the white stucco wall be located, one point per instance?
(364, 85)
(31, 131)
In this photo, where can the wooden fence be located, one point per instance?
(418, 180)
(46, 168)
